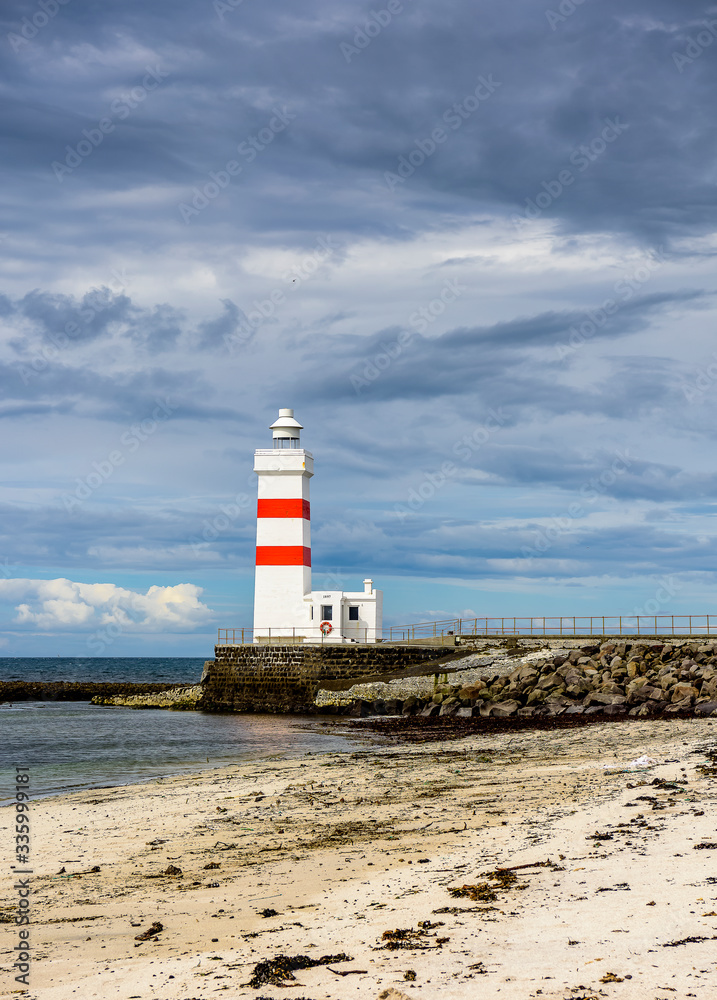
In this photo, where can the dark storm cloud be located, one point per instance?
(91, 317)
(233, 324)
(51, 387)
(356, 116)
(399, 364)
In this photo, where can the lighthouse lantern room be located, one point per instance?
(285, 608)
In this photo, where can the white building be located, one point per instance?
(285, 607)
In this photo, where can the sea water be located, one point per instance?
(69, 745)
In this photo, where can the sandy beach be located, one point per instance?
(511, 864)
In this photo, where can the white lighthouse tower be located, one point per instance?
(285, 608)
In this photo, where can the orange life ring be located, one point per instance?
(326, 627)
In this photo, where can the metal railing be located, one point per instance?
(294, 634)
(576, 625)
(579, 625)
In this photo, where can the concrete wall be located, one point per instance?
(258, 678)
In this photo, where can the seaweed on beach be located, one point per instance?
(406, 937)
(280, 970)
(505, 878)
(688, 940)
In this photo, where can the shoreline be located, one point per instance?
(341, 850)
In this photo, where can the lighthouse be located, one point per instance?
(285, 607)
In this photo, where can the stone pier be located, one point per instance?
(262, 678)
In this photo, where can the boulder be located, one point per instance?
(429, 711)
(706, 708)
(537, 697)
(503, 709)
(471, 691)
(578, 688)
(684, 692)
(615, 710)
(709, 688)
(549, 681)
(680, 706)
(600, 698)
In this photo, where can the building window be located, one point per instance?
(327, 612)
(353, 614)
(312, 612)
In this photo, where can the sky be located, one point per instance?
(471, 243)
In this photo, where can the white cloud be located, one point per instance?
(52, 604)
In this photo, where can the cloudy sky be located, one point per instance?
(471, 243)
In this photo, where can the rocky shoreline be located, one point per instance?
(613, 678)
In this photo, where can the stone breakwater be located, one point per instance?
(13, 691)
(185, 698)
(639, 678)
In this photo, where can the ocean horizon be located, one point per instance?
(103, 669)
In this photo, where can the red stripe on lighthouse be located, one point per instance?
(284, 508)
(283, 555)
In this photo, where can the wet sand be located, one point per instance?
(341, 851)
